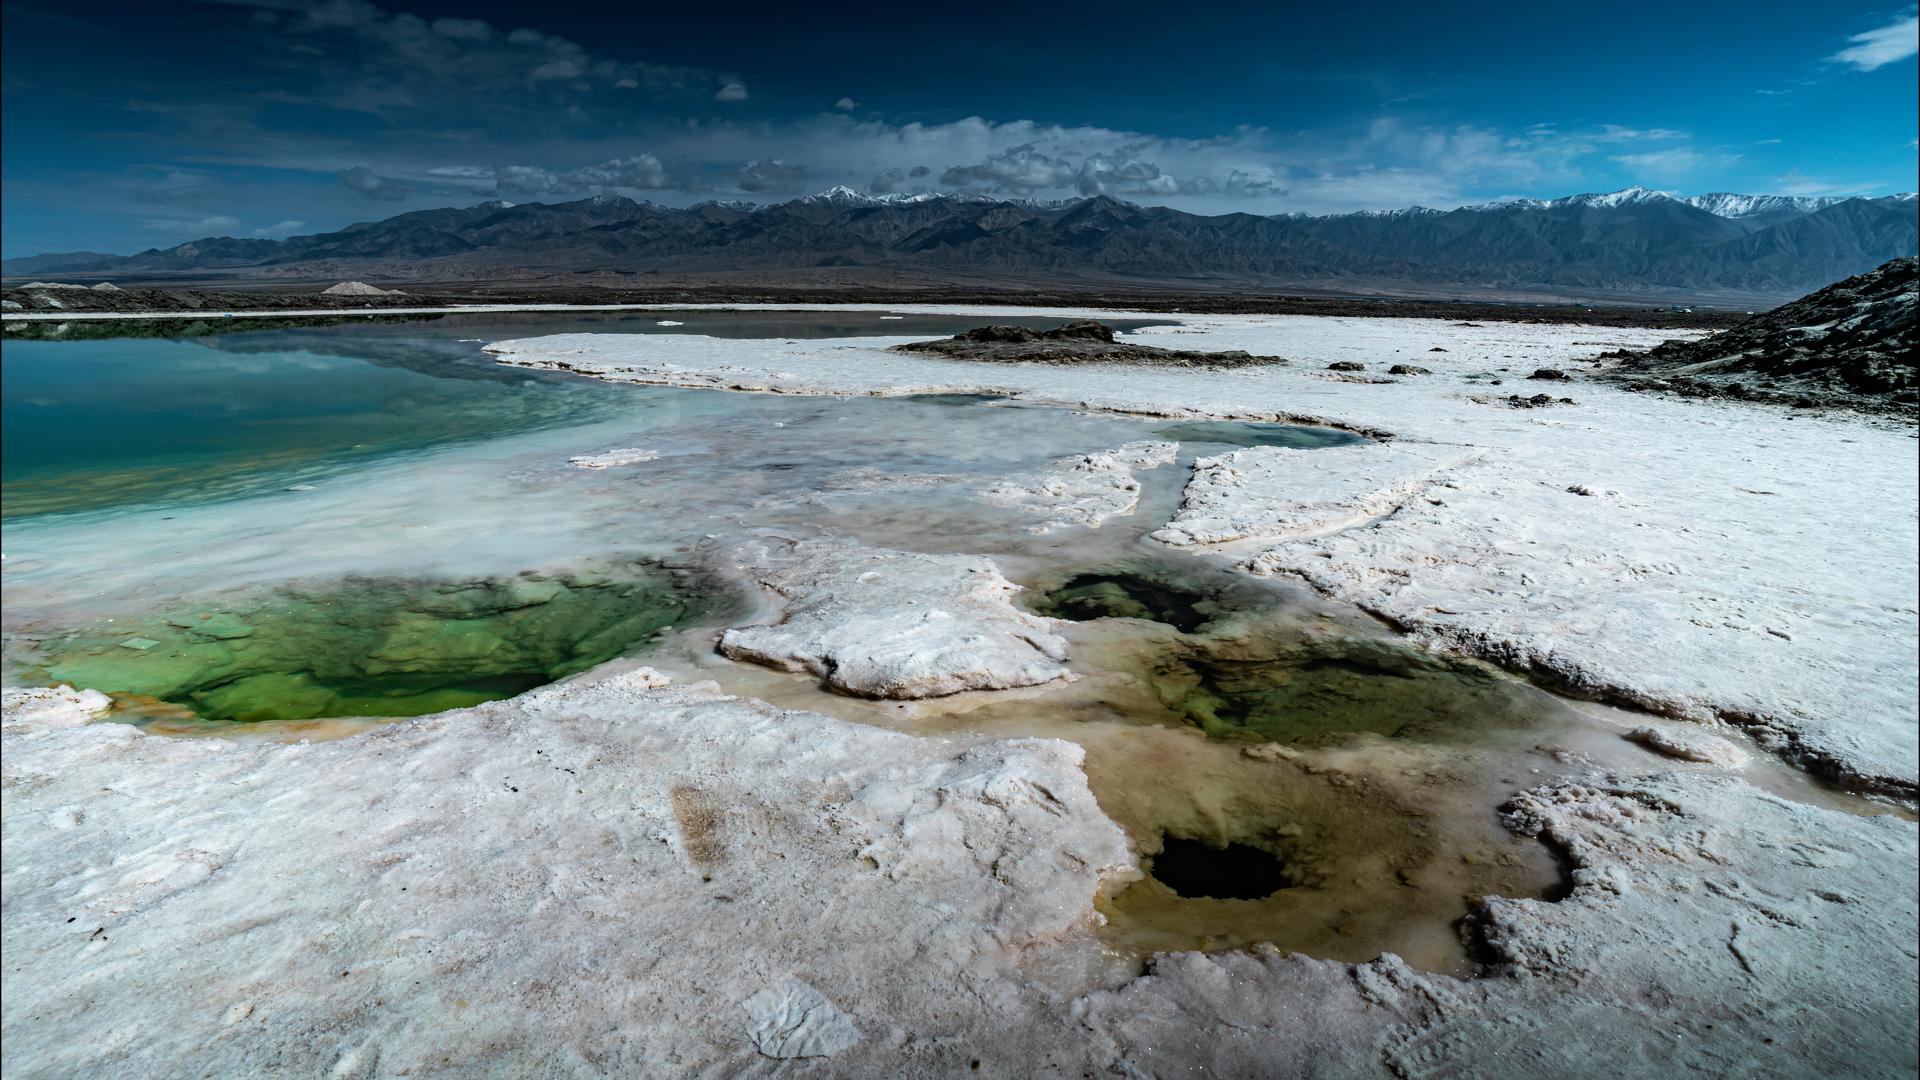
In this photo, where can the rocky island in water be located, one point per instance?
(1083, 341)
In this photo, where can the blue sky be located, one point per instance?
(135, 126)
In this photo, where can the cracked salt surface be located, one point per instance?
(1679, 591)
(685, 872)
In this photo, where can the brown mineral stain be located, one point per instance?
(699, 824)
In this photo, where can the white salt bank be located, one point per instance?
(624, 873)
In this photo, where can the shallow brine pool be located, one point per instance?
(269, 531)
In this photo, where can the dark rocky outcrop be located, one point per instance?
(1080, 342)
(1850, 344)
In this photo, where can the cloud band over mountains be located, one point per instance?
(326, 111)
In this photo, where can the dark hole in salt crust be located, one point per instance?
(1201, 871)
(1127, 596)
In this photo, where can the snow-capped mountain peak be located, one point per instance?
(1720, 203)
(1514, 203)
(1624, 197)
(1403, 212)
(841, 195)
(1726, 204)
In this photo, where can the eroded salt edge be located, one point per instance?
(564, 934)
(629, 878)
(1699, 559)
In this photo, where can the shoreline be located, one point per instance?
(163, 304)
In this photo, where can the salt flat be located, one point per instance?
(629, 879)
(616, 875)
(1701, 559)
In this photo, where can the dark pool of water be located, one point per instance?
(1197, 870)
(1123, 595)
(1325, 693)
(1246, 433)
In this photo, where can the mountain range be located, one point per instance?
(1634, 241)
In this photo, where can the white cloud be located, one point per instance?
(364, 181)
(1889, 44)
(1019, 170)
(1675, 162)
(636, 172)
(1019, 157)
(642, 171)
(354, 54)
(1386, 164)
(549, 104)
(462, 29)
(1122, 171)
(896, 179)
(280, 230)
(1796, 182)
(1616, 133)
(168, 184)
(197, 227)
(524, 180)
(771, 174)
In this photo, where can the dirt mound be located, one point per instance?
(358, 288)
(1850, 344)
(1082, 341)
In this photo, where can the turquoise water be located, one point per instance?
(88, 424)
(376, 648)
(495, 325)
(91, 419)
(346, 468)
